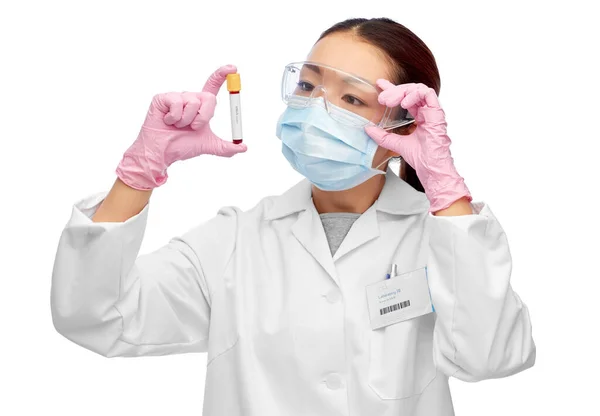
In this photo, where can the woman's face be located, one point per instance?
(347, 52)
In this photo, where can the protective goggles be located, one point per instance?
(309, 83)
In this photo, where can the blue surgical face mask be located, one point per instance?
(333, 156)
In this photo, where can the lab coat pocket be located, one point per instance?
(401, 358)
(223, 333)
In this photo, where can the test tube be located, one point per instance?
(234, 85)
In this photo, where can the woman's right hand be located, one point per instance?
(176, 128)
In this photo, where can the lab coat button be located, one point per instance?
(334, 381)
(334, 296)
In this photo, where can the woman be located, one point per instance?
(290, 299)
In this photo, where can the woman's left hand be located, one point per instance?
(427, 148)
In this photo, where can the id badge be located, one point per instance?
(401, 297)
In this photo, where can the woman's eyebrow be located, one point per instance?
(313, 68)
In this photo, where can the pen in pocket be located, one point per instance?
(393, 271)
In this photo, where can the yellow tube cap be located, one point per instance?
(234, 83)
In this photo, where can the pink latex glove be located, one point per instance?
(427, 148)
(176, 128)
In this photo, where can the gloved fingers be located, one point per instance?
(421, 96)
(214, 82)
(396, 95)
(431, 98)
(385, 139)
(214, 145)
(191, 105)
(228, 149)
(393, 95)
(384, 84)
(170, 104)
(205, 113)
(413, 101)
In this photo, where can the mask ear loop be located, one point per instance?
(385, 161)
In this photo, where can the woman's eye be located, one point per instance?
(306, 86)
(352, 100)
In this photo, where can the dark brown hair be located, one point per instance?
(410, 58)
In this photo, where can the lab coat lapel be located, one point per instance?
(396, 197)
(364, 229)
(308, 229)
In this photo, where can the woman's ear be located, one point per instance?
(391, 154)
(406, 130)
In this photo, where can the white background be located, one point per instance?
(519, 88)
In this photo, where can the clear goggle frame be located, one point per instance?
(310, 83)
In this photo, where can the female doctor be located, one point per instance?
(291, 299)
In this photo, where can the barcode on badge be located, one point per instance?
(395, 307)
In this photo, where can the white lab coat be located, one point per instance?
(285, 324)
